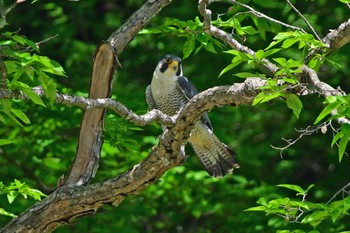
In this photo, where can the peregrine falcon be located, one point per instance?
(168, 92)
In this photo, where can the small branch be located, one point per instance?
(261, 15)
(303, 132)
(334, 40)
(342, 190)
(86, 103)
(265, 66)
(305, 20)
(4, 11)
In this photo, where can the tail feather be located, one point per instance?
(216, 157)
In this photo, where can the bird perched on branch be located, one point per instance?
(168, 92)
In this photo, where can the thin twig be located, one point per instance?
(342, 190)
(5, 10)
(305, 20)
(303, 132)
(261, 15)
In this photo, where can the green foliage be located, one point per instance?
(25, 71)
(302, 211)
(273, 90)
(17, 188)
(186, 199)
(341, 105)
(191, 30)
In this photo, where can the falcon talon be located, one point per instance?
(169, 92)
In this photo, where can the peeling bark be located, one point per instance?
(90, 136)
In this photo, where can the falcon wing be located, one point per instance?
(189, 90)
(149, 98)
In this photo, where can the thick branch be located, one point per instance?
(339, 37)
(90, 140)
(121, 38)
(69, 202)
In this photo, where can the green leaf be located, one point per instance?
(246, 75)
(21, 115)
(273, 43)
(188, 47)
(262, 201)
(5, 213)
(345, 1)
(260, 54)
(250, 30)
(316, 217)
(19, 39)
(281, 60)
(264, 97)
(327, 110)
(256, 208)
(343, 142)
(11, 196)
(33, 97)
(283, 35)
(6, 142)
(294, 103)
(235, 62)
(33, 45)
(293, 187)
(49, 87)
(270, 52)
(337, 137)
(210, 47)
(289, 42)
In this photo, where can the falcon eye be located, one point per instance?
(168, 60)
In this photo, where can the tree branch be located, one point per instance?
(339, 37)
(90, 139)
(90, 136)
(121, 38)
(69, 202)
(266, 66)
(305, 20)
(261, 15)
(87, 103)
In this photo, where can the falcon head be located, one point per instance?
(170, 66)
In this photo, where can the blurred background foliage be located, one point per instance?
(186, 199)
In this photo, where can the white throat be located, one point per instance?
(163, 83)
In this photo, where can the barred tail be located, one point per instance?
(216, 157)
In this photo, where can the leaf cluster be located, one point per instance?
(302, 211)
(16, 188)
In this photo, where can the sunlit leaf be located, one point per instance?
(264, 97)
(188, 47)
(327, 110)
(6, 213)
(6, 142)
(293, 187)
(21, 115)
(294, 103)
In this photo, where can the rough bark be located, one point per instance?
(71, 201)
(121, 38)
(90, 136)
